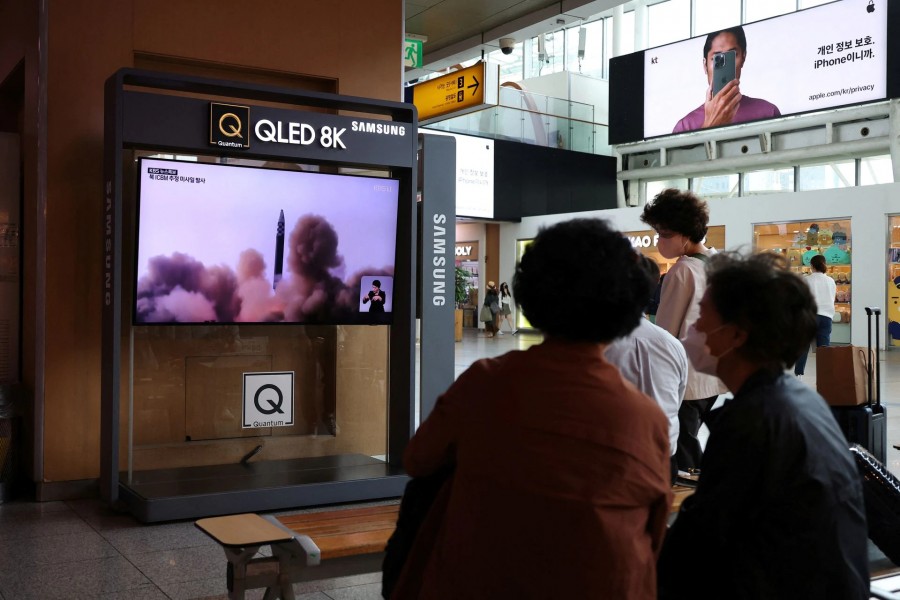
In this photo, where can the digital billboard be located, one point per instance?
(832, 55)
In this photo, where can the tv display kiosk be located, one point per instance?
(241, 370)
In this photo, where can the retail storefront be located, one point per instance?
(892, 302)
(798, 242)
(646, 241)
(857, 229)
(467, 260)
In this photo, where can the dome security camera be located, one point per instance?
(507, 44)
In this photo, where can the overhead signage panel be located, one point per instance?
(188, 123)
(461, 91)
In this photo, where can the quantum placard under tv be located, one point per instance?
(837, 54)
(233, 244)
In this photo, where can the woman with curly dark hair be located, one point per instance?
(778, 511)
(561, 468)
(680, 218)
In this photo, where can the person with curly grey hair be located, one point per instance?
(561, 467)
(778, 511)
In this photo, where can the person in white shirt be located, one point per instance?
(823, 290)
(655, 362)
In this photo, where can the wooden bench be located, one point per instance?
(680, 492)
(297, 542)
(346, 532)
(303, 540)
(354, 531)
(243, 537)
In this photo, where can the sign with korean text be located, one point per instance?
(451, 93)
(809, 60)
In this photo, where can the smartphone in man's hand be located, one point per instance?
(723, 70)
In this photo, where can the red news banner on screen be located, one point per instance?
(824, 57)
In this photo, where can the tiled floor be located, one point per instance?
(82, 549)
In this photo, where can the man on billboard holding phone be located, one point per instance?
(724, 54)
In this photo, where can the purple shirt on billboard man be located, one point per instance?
(728, 106)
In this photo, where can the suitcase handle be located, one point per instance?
(874, 371)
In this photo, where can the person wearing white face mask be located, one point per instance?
(680, 219)
(778, 511)
(698, 352)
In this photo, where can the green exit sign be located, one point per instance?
(412, 53)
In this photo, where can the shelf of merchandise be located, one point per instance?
(840, 331)
(892, 302)
(787, 239)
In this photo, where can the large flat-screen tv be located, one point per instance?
(233, 244)
(836, 54)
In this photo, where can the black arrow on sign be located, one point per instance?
(474, 85)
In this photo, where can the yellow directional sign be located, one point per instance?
(452, 92)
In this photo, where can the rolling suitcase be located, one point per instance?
(866, 424)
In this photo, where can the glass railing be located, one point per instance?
(515, 98)
(534, 119)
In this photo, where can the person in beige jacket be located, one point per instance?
(680, 219)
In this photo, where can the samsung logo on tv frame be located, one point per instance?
(382, 128)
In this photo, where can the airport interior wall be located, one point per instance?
(349, 47)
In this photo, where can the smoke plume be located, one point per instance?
(179, 288)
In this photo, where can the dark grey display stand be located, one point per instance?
(438, 300)
(142, 113)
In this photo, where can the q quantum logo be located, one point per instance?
(228, 125)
